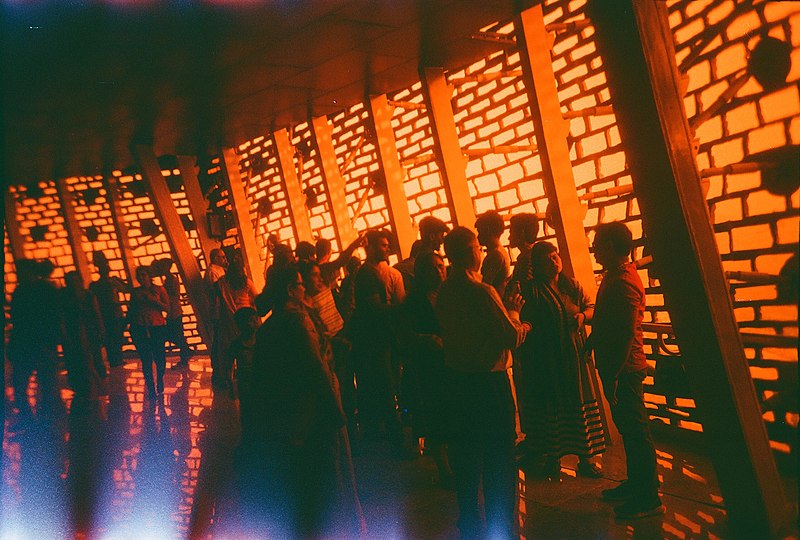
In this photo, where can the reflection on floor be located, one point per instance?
(131, 469)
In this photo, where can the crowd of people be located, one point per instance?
(420, 351)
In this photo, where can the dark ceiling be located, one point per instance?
(84, 80)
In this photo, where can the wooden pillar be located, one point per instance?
(380, 118)
(333, 180)
(637, 50)
(74, 231)
(120, 227)
(294, 191)
(451, 160)
(237, 198)
(15, 239)
(551, 138)
(197, 204)
(176, 237)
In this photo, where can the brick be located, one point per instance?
(765, 138)
(789, 230)
(730, 60)
(507, 199)
(728, 210)
(612, 164)
(751, 237)
(764, 202)
(781, 104)
(727, 152)
(723, 242)
(710, 130)
(741, 119)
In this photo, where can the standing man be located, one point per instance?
(107, 289)
(478, 334)
(431, 235)
(496, 267)
(174, 329)
(378, 287)
(523, 230)
(217, 268)
(618, 346)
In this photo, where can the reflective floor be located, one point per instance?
(128, 469)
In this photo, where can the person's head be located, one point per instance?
(282, 255)
(312, 277)
(353, 265)
(612, 244)
(287, 284)
(161, 267)
(26, 270)
(73, 282)
(143, 276)
(462, 248)
(305, 251)
(323, 248)
(101, 263)
(490, 227)
(429, 272)
(416, 248)
(545, 261)
(236, 275)
(44, 268)
(218, 257)
(378, 245)
(431, 232)
(523, 230)
(247, 321)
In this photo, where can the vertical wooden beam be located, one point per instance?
(176, 237)
(15, 239)
(551, 138)
(120, 227)
(74, 231)
(636, 46)
(332, 177)
(559, 183)
(380, 117)
(237, 198)
(294, 191)
(452, 163)
(197, 204)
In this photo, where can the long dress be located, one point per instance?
(561, 412)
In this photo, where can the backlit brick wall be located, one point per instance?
(756, 231)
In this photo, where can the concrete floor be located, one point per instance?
(129, 471)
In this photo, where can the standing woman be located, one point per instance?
(234, 291)
(561, 409)
(148, 327)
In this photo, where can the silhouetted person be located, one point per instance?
(305, 252)
(378, 287)
(420, 334)
(35, 334)
(298, 415)
(523, 229)
(331, 268)
(174, 327)
(478, 335)
(234, 291)
(107, 289)
(83, 337)
(431, 233)
(145, 313)
(346, 296)
(562, 415)
(282, 257)
(241, 354)
(496, 267)
(618, 344)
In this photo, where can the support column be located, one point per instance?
(380, 117)
(636, 46)
(197, 204)
(301, 223)
(15, 239)
(333, 180)
(74, 231)
(120, 227)
(551, 138)
(449, 156)
(237, 198)
(176, 237)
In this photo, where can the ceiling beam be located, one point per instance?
(74, 231)
(636, 45)
(198, 205)
(15, 239)
(120, 227)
